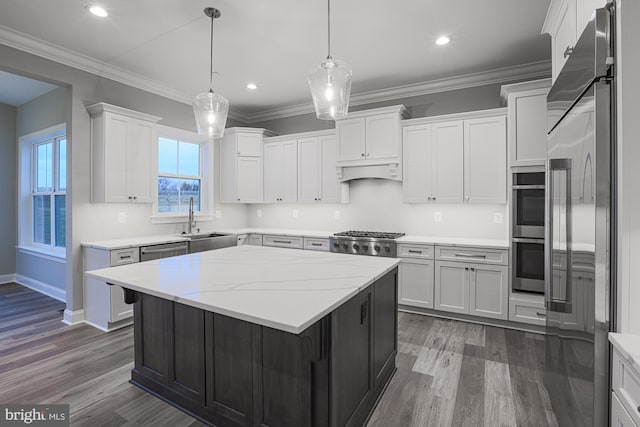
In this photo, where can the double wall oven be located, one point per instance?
(527, 218)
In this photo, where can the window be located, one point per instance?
(48, 192)
(180, 176)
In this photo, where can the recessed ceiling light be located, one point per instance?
(443, 40)
(98, 11)
(252, 86)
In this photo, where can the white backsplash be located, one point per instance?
(376, 204)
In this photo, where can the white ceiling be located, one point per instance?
(16, 90)
(276, 43)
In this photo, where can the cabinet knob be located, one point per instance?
(568, 51)
(433, 198)
(466, 269)
(238, 199)
(466, 199)
(428, 198)
(367, 154)
(135, 197)
(130, 197)
(362, 154)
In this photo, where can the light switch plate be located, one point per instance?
(336, 215)
(218, 214)
(295, 213)
(259, 213)
(437, 216)
(122, 217)
(497, 218)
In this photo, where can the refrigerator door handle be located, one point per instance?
(553, 303)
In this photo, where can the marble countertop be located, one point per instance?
(285, 289)
(280, 232)
(133, 242)
(629, 346)
(455, 241)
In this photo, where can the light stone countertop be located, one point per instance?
(629, 346)
(454, 241)
(133, 242)
(285, 289)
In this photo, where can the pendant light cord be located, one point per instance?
(211, 60)
(328, 29)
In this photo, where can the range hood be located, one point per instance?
(391, 171)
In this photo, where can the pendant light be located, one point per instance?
(211, 108)
(330, 83)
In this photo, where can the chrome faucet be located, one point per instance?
(192, 222)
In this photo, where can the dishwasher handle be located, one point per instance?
(144, 251)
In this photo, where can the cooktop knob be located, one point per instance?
(387, 249)
(356, 246)
(345, 246)
(336, 244)
(376, 248)
(365, 248)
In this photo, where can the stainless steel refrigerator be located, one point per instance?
(580, 228)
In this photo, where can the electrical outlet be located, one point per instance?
(218, 214)
(336, 215)
(259, 213)
(497, 218)
(295, 213)
(437, 216)
(122, 217)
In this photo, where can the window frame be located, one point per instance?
(27, 185)
(206, 175)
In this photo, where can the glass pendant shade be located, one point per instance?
(330, 85)
(211, 111)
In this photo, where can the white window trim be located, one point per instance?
(25, 204)
(206, 165)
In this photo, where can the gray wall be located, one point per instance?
(8, 229)
(87, 221)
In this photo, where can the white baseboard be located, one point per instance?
(43, 288)
(7, 278)
(73, 317)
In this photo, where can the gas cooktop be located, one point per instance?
(372, 243)
(369, 234)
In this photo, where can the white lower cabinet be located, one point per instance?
(479, 288)
(283, 241)
(415, 283)
(255, 239)
(619, 416)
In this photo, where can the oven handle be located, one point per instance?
(521, 240)
(528, 187)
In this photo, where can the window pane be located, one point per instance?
(42, 219)
(62, 165)
(167, 155)
(189, 188)
(189, 155)
(44, 167)
(60, 218)
(168, 194)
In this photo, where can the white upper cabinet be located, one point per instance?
(565, 21)
(455, 161)
(122, 142)
(317, 179)
(370, 137)
(485, 160)
(241, 165)
(281, 172)
(331, 188)
(527, 122)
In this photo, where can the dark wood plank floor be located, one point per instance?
(449, 373)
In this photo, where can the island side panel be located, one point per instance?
(385, 315)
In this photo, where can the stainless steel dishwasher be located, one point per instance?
(209, 241)
(163, 250)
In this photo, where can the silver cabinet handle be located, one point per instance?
(316, 244)
(282, 241)
(469, 255)
(568, 51)
(125, 256)
(541, 314)
(414, 252)
(162, 250)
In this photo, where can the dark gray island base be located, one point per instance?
(229, 372)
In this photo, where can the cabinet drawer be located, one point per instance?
(316, 244)
(415, 251)
(283, 241)
(527, 312)
(125, 256)
(477, 255)
(255, 239)
(626, 385)
(243, 239)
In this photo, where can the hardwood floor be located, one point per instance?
(450, 373)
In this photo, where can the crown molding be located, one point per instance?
(534, 70)
(53, 52)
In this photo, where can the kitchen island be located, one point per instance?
(259, 336)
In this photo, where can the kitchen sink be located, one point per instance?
(200, 242)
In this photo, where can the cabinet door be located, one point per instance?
(249, 179)
(447, 162)
(273, 170)
(385, 326)
(452, 287)
(140, 183)
(309, 158)
(382, 136)
(330, 186)
(416, 148)
(565, 38)
(351, 360)
(249, 144)
(119, 309)
(116, 135)
(289, 184)
(485, 160)
(619, 415)
(528, 127)
(351, 139)
(489, 291)
(416, 283)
